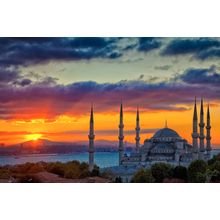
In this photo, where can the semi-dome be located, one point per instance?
(166, 132)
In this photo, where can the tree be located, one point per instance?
(180, 172)
(84, 170)
(36, 168)
(160, 171)
(215, 168)
(143, 176)
(197, 171)
(4, 173)
(84, 166)
(56, 168)
(107, 174)
(95, 171)
(214, 159)
(71, 173)
(118, 179)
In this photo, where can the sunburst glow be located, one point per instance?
(33, 137)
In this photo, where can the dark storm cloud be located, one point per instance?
(12, 77)
(27, 51)
(195, 46)
(7, 76)
(95, 42)
(201, 76)
(211, 53)
(23, 82)
(148, 43)
(130, 47)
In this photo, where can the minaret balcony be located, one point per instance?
(201, 124)
(121, 138)
(195, 135)
(91, 136)
(201, 136)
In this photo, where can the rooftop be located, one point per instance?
(166, 132)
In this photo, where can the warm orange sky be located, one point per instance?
(67, 128)
(48, 84)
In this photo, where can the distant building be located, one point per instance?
(165, 145)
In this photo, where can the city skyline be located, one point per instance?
(48, 84)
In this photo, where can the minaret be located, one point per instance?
(201, 135)
(137, 129)
(208, 133)
(195, 134)
(166, 126)
(91, 141)
(121, 136)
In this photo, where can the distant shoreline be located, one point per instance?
(69, 153)
(51, 154)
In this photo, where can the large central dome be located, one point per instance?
(166, 132)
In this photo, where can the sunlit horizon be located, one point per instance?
(64, 129)
(46, 93)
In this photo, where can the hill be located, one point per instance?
(44, 146)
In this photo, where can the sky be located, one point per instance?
(47, 86)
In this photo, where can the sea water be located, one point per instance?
(102, 159)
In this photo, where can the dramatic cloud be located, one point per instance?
(48, 100)
(196, 46)
(148, 43)
(26, 51)
(211, 53)
(201, 76)
(8, 76)
(16, 52)
(30, 95)
(25, 82)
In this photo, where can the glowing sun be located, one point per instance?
(33, 137)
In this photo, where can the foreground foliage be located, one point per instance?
(160, 171)
(198, 171)
(143, 176)
(26, 172)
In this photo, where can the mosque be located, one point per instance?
(166, 145)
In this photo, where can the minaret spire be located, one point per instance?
(195, 134)
(166, 124)
(121, 135)
(201, 135)
(91, 141)
(208, 133)
(137, 129)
